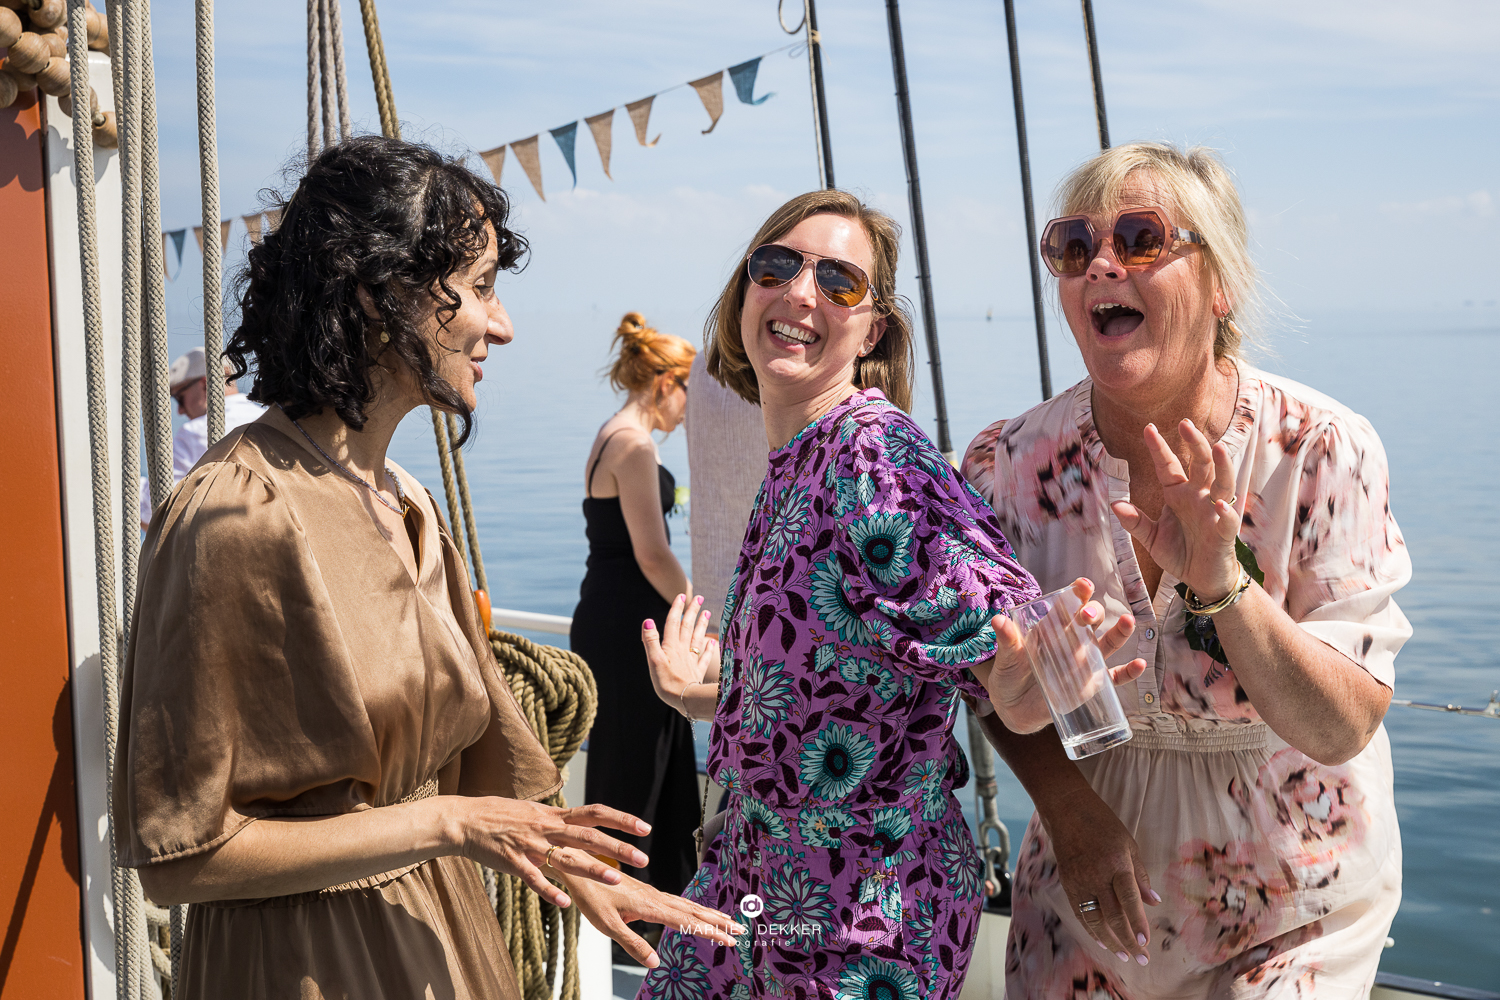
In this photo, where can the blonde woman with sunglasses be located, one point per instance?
(1244, 842)
(859, 613)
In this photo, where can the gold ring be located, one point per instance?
(1232, 500)
(695, 652)
(547, 861)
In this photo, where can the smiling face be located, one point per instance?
(801, 345)
(1146, 330)
(459, 343)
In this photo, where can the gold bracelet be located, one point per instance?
(1235, 593)
(682, 702)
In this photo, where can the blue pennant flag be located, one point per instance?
(567, 137)
(179, 236)
(743, 76)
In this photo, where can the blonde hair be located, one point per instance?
(645, 354)
(889, 365)
(1204, 200)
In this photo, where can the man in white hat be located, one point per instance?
(188, 382)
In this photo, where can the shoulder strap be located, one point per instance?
(588, 487)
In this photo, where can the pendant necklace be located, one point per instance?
(361, 480)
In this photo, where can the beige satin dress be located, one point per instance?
(284, 663)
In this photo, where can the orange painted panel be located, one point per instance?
(41, 954)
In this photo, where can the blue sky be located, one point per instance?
(1364, 135)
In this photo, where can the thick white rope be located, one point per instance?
(313, 48)
(126, 116)
(336, 41)
(127, 981)
(157, 403)
(213, 265)
(325, 72)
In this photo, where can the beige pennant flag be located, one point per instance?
(640, 114)
(198, 235)
(602, 125)
(273, 220)
(527, 156)
(711, 92)
(224, 236)
(252, 223)
(495, 160)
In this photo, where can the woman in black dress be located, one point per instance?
(641, 756)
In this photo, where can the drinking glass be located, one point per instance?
(1071, 671)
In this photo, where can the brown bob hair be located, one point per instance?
(889, 367)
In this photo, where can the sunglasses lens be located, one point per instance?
(1067, 246)
(1138, 238)
(841, 282)
(773, 265)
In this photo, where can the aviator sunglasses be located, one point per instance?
(1137, 236)
(840, 282)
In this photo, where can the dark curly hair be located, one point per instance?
(397, 218)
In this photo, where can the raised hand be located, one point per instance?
(1194, 538)
(683, 653)
(1012, 686)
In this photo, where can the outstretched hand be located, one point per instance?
(1193, 539)
(611, 908)
(1010, 681)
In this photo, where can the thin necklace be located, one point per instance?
(400, 493)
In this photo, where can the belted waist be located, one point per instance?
(1221, 739)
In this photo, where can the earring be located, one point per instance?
(385, 338)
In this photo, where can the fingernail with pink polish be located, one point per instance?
(1140, 939)
(1153, 894)
(1142, 959)
(1122, 956)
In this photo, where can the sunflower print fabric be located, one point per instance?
(1279, 875)
(863, 593)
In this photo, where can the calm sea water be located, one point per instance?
(1427, 383)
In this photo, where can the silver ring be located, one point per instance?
(695, 652)
(1088, 906)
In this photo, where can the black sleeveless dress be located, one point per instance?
(641, 756)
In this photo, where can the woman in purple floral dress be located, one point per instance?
(860, 611)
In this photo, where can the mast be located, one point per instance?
(820, 103)
(1093, 42)
(1032, 247)
(918, 228)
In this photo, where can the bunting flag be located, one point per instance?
(567, 139)
(198, 235)
(224, 235)
(252, 223)
(601, 126)
(273, 219)
(179, 237)
(526, 155)
(640, 113)
(743, 76)
(495, 160)
(711, 92)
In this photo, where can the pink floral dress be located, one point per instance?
(864, 590)
(1279, 875)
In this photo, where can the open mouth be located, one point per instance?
(788, 334)
(1115, 320)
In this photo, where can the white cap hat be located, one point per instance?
(187, 368)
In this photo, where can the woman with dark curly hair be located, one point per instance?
(315, 740)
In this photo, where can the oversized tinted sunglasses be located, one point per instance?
(840, 282)
(1138, 236)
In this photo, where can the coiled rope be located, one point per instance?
(555, 690)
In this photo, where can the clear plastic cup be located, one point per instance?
(1071, 671)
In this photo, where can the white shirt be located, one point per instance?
(190, 441)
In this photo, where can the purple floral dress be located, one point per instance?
(864, 591)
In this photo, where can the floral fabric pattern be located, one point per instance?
(1279, 875)
(863, 593)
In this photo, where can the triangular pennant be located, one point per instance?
(252, 223)
(164, 254)
(198, 235)
(495, 160)
(602, 126)
(179, 237)
(526, 155)
(273, 219)
(743, 76)
(567, 141)
(640, 113)
(711, 92)
(224, 236)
